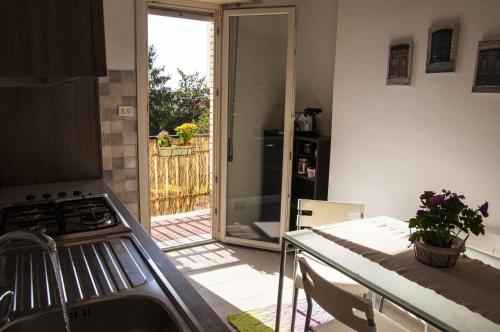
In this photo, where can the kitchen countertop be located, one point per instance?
(207, 318)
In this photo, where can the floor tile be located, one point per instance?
(233, 279)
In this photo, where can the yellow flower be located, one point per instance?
(186, 132)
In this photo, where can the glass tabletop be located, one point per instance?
(421, 301)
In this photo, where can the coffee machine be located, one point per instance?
(306, 123)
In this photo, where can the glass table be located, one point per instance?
(424, 303)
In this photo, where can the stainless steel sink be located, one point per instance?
(127, 314)
(109, 284)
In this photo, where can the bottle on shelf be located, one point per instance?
(302, 165)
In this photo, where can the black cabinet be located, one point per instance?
(52, 40)
(316, 152)
(272, 173)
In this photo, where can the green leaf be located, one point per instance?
(441, 222)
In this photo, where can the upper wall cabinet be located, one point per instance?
(51, 40)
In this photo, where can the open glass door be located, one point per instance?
(256, 123)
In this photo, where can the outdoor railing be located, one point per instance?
(180, 183)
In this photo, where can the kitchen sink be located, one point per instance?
(126, 314)
(82, 262)
(107, 283)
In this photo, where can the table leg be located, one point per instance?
(295, 289)
(284, 246)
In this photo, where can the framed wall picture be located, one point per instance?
(487, 74)
(442, 48)
(399, 64)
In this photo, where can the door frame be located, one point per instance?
(288, 121)
(141, 52)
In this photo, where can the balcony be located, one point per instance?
(180, 194)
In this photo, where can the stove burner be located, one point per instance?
(60, 216)
(30, 224)
(33, 225)
(93, 220)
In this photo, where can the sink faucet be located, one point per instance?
(6, 294)
(42, 239)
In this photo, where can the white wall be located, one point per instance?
(119, 26)
(391, 143)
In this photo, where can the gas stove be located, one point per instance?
(62, 215)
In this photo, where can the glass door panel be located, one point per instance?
(257, 120)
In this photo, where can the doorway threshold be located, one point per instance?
(189, 245)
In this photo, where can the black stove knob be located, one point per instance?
(77, 193)
(30, 198)
(46, 196)
(62, 194)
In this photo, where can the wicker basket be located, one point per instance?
(175, 151)
(437, 256)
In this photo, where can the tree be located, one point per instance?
(169, 109)
(160, 96)
(193, 95)
(203, 122)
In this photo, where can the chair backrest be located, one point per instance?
(312, 213)
(337, 302)
(488, 247)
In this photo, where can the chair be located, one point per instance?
(313, 213)
(485, 248)
(351, 312)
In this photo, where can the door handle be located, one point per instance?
(229, 149)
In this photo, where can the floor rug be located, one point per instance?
(262, 320)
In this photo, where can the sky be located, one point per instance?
(179, 43)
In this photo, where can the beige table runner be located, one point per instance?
(470, 282)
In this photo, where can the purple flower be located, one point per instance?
(427, 194)
(484, 210)
(436, 200)
(420, 213)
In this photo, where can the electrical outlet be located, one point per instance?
(239, 205)
(126, 111)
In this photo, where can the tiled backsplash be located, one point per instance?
(119, 136)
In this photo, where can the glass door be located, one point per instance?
(257, 111)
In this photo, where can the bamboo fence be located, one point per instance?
(181, 183)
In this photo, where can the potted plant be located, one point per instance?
(437, 225)
(165, 145)
(186, 133)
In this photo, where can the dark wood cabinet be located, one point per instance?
(316, 150)
(49, 134)
(52, 40)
